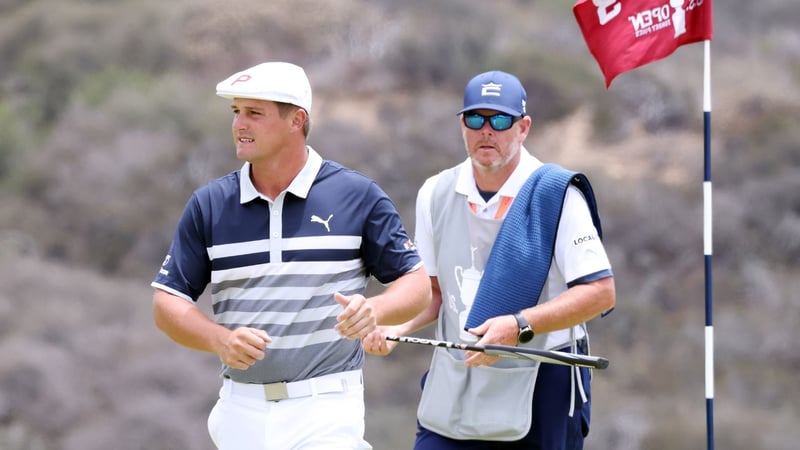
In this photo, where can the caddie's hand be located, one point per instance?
(244, 346)
(358, 318)
(375, 343)
(502, 330)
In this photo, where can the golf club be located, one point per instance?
(507, 351)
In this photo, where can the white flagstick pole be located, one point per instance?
(707, 247)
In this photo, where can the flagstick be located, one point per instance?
(709, 328)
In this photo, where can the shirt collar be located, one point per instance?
(299, 186)
(466, 179)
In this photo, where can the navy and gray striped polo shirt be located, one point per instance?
(275, 265)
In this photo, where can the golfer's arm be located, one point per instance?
(427, 316)
(404, 299)
(186, 324)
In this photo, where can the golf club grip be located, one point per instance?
(507, 351)
(551, 356)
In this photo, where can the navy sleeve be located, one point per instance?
(187, 268)
(388, 251)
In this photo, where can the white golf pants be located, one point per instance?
(243, 419)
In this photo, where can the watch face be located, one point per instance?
(525, 330)
(525, 335)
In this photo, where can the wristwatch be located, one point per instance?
(525, 330)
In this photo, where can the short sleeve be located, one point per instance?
(579, 252)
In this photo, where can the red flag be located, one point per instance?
(625, 34)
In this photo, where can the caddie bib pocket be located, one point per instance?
(489, 403)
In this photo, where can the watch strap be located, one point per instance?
(521, 321)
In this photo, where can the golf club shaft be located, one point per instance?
(507, 351)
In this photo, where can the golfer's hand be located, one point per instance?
(502, 330)
(375, 343)
(358, 318)
(244, 346)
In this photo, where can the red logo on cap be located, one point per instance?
(242, 79)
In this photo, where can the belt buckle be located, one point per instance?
(275, 392)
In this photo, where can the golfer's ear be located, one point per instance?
(299, 118)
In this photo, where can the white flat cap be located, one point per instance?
(275, 81)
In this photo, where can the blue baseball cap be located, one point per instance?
(495, 90)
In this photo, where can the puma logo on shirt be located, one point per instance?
(317, 219)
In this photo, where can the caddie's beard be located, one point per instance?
(499, 161)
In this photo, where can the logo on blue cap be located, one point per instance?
(491, 89)
(495, 90)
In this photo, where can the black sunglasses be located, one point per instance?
(498, 122)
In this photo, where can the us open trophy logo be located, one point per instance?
(467, 281)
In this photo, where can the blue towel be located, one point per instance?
(520, 257)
